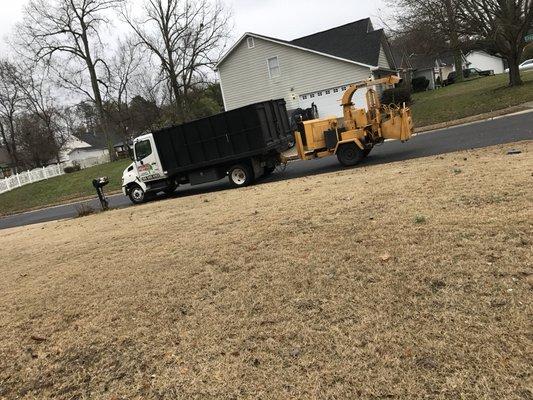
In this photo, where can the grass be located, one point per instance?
(322, 287)
(61, 188)
(470, 98)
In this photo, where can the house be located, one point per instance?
(485, 61)
(311, 69)
(435, 68)
(85, 149)
(122, 149)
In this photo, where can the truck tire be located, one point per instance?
(349, 154)
(240, 175)
(136, 194)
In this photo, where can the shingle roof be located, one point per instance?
(97, 140)
(356, 41)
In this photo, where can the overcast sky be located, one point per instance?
(284, 19)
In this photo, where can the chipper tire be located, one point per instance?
(241, 175)
(137, 194)
(349, 154)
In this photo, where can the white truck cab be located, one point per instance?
(146, 173)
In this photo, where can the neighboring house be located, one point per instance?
(122, 150)
(80, 155)
(435, 68)
(312, 69)
(485, 61)
(86, 149)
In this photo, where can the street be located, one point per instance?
(481, 134)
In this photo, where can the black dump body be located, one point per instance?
(254, 130)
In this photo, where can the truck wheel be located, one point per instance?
(240, 175)
(349, 154)
(136, 194)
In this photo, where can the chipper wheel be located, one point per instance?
(241, 175)
(349, 154)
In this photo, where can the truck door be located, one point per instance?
(147, 161)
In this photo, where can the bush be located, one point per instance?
(420, 83)
(74, 168)
(397, 95)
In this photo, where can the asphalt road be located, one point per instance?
(481, 134)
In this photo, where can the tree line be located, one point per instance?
(433, 26)
(73, 71)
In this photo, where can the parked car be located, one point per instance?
(467, 73)
(488, 72)
(526, 65)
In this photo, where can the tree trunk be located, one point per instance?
(97, 95)
(514, 72)
(454, 41)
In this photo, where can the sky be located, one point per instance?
(284, 19)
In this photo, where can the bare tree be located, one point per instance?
(186, 38)
(124, 70)
(500, 26)
(68, 31)
(10, 103)
(38, 99)
(434, 23)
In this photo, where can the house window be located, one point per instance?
(320, 93)
(312, 95)
(343, 88)
(328, 91)
(251, 43)
(273, 67)
(304, 97)
(335, 90)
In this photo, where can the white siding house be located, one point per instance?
(259, 68)
(484, 61)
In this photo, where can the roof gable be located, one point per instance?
(355, 42)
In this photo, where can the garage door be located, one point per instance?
(328, 101)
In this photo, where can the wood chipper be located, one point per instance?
(352, 139)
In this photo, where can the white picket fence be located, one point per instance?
(37, 174)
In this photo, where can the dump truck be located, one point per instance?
(243, 144)
(249, 142)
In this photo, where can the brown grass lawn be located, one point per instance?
(407, 280)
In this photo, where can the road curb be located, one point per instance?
(475, 118)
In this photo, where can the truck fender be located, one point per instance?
(136, 182)
(354, 140)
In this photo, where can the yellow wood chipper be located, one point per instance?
(352, 139)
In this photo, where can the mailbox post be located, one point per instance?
(99, 184)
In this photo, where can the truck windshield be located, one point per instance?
(142, 149)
